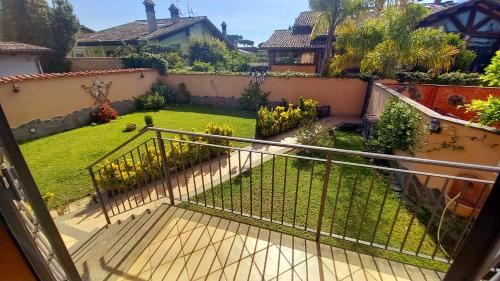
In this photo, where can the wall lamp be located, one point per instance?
(16, 87)
(434, 126)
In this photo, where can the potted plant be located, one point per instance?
(148, 119)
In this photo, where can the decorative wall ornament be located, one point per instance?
(456, 100)
(98, 90)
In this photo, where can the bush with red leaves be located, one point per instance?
(104, 114)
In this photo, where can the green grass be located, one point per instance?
(58, 161)
(350, 196)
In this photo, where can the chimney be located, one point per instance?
(174, 12)
(151, 15)
(224, 28)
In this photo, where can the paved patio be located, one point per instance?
(170, 243)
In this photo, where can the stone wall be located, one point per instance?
(97, 63)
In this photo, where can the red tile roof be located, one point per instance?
(288, 38)
(138, 30)
(16, 47)
(21, 78)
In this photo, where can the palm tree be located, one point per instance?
(332, 14)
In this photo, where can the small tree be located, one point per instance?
(207, 49)
(398, 128)
(26, 21)
(253, 97)
(332, 14)
(65, 25)
(492, 71)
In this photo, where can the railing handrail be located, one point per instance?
(141, 132)
(476, 167)
(340, 151)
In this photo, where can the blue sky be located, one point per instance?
(255, 19)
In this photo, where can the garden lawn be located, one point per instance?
(58, 162)
(347, 198)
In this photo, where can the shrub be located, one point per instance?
(206, 49)
(150, 101)
(492, 71)
(174, 60)
(398, 128)
(164, 90)
(219, 130)
(104, 114)
(48, 197)
(414, 77)
(487, 112)
(459, 78)
(465, 57)
(271, 122)
(182, 95)
(130, 127)
(308, 109)
(145, 60)
(148, 120)
(200, 66)
(235, 62)
(253, 97)
(186, 152)
(449, 78)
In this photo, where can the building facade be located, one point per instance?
(19, 58)
(477, 22)
(293, 49)
(173, 30)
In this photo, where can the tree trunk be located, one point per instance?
(328, 54)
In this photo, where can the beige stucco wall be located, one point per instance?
(475, 145)
(345, 96)
(47, 98)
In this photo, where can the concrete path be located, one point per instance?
(84, 219)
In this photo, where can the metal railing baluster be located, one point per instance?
(176, 170)
(365, 208)
(296, 196)
(334, 212)
(309, 195)
(202, 175)
(272, 188)
(351, 199)
(324, 193)
(284, 191)
(230, 179)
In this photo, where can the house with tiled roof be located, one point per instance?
(19, 58)
(175, 29)
(293, 49)
(477, 22)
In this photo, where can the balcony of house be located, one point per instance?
(281, 202)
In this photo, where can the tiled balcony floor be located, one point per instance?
(177, 244)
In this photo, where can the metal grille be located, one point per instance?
(360, 197)
(12, 184)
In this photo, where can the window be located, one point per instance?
(288, 58)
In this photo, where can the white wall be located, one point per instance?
(18, 64)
